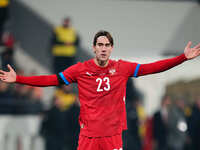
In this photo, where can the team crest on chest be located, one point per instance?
(112, 71)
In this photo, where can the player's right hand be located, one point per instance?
(9, 76)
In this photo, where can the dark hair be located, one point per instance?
(103, 33)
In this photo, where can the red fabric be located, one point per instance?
(161, 65)
(8, 40)
(102, 91)
(102, 94)
(102, 143)
(43, 81)
(148, 138)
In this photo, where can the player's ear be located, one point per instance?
(94, 49)
(112, 48)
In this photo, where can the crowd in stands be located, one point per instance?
(175, 126)
(4, 15)
(20, 99)
(60, 126)
(63, 45)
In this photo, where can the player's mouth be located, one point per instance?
(103, 55)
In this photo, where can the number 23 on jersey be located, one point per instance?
(100, 81)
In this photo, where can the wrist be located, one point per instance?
(183, 56)
(17, 78)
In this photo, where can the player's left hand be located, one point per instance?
(190, 52)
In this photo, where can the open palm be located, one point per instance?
(9, 76)
(191, 53)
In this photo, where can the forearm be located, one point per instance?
(42, 81)
(161, 65)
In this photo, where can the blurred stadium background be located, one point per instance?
(143, 31)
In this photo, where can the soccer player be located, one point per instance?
(102, 89)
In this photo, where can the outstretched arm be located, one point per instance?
(166, 64)
(44, 80)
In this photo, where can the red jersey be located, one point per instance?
(102, 92)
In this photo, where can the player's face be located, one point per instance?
(103, 48)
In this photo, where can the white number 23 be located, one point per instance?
(107, 82)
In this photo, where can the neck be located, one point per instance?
(101, 63)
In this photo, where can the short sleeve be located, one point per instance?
(129, 69)
(70, 74)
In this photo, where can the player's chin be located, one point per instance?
(104, 58)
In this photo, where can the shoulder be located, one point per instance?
(74, 68)
(123, 63)
(79, 66)
(87, 63)
(118, 62)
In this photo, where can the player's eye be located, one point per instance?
(107, 44)
(100, 44)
